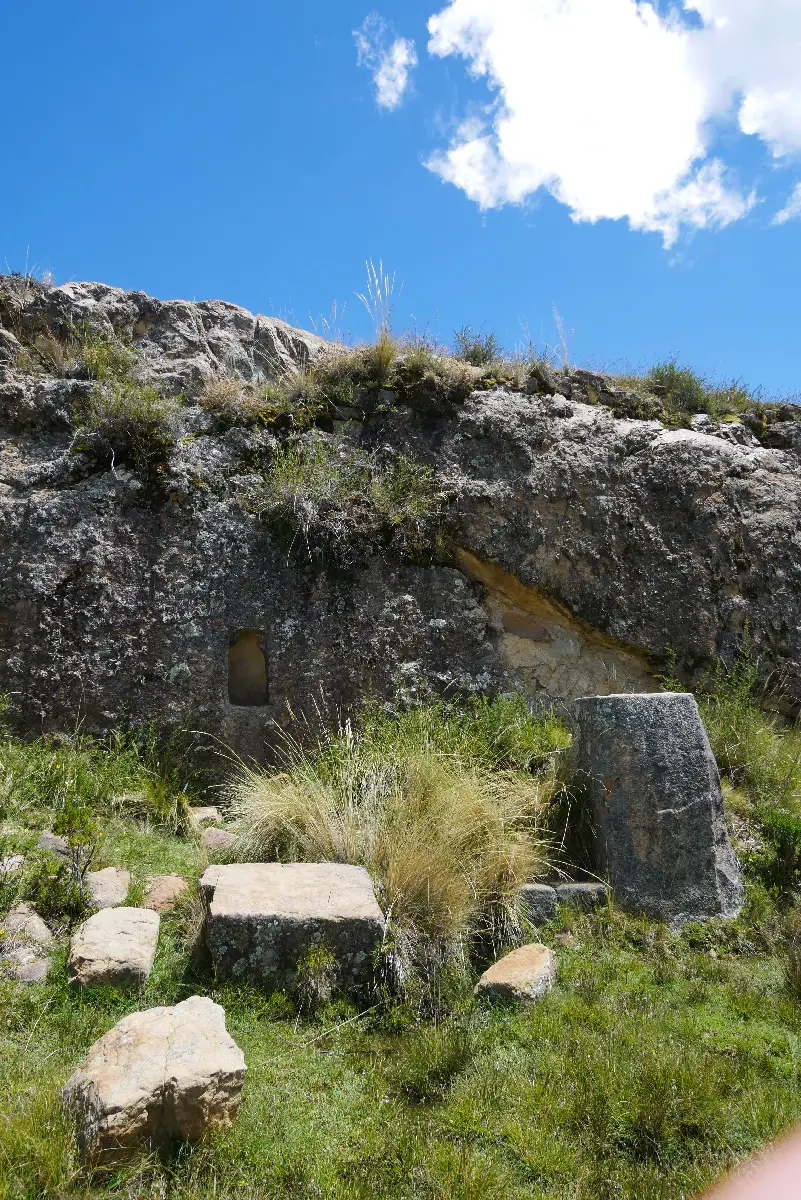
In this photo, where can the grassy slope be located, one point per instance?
(657, 1060)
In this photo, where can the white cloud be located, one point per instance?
(792, 209)
(612, 106)
(389, 61)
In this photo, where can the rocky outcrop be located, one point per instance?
(585, 547)
(158, 1076)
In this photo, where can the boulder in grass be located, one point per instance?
(24, 945)
(159, 1076)
(108, 888)
(218, 841)
(24, 924)
(163, 892)
(114, 948)
(265, 918)
(12, 865)
(583, 896)
(524, 975)
(652, 786)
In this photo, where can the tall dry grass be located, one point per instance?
(447, 834)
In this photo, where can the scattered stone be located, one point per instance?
(26, 964)
(524, 975)
(218, 841)
(653, 785)
(565, 941)
(12, 865)
(55, 844)
(199, 818)
(264, 918)
(539, 902)
(158, 1076)
(163, 891)
(109, 887)
(25, 924)
(584, 896)
(24, 938)
(115, 948)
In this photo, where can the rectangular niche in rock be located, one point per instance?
(247, 669)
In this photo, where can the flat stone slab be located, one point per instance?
(646, 768)
(158, 1076)
(524, 975)
(163, 891)
(108, 888)
(264, 918)
(539, 902)
(584, 896)
(114, 948)
(218, 841)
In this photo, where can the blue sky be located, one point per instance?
(241, 152)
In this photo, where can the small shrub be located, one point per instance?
(124, 422)
(476, 347)
(344, 503)
(293, 402)
(679, 388)
(780, 863)
(793, 967)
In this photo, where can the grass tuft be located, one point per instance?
(447, 837)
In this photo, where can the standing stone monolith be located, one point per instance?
(645, 766)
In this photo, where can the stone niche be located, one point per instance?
(248, 685)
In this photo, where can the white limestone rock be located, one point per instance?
(114, 948)
(161, 1075)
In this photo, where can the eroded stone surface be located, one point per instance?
(525, 975)
(158, 1076)
(24, 923)
(54, 843)
(539, 902)
(648, 772)
(591, 543)
(12, 865)
(584, 896)
(115, 947)
(265, 917)
(218, 842)
(24, 942)
(109, 887)
(163, 891)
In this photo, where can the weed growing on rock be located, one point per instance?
(125, 422)
(293, 402)
(476, 347)
(341, 503)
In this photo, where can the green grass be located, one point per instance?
(658, 1060)
(648, 1070)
